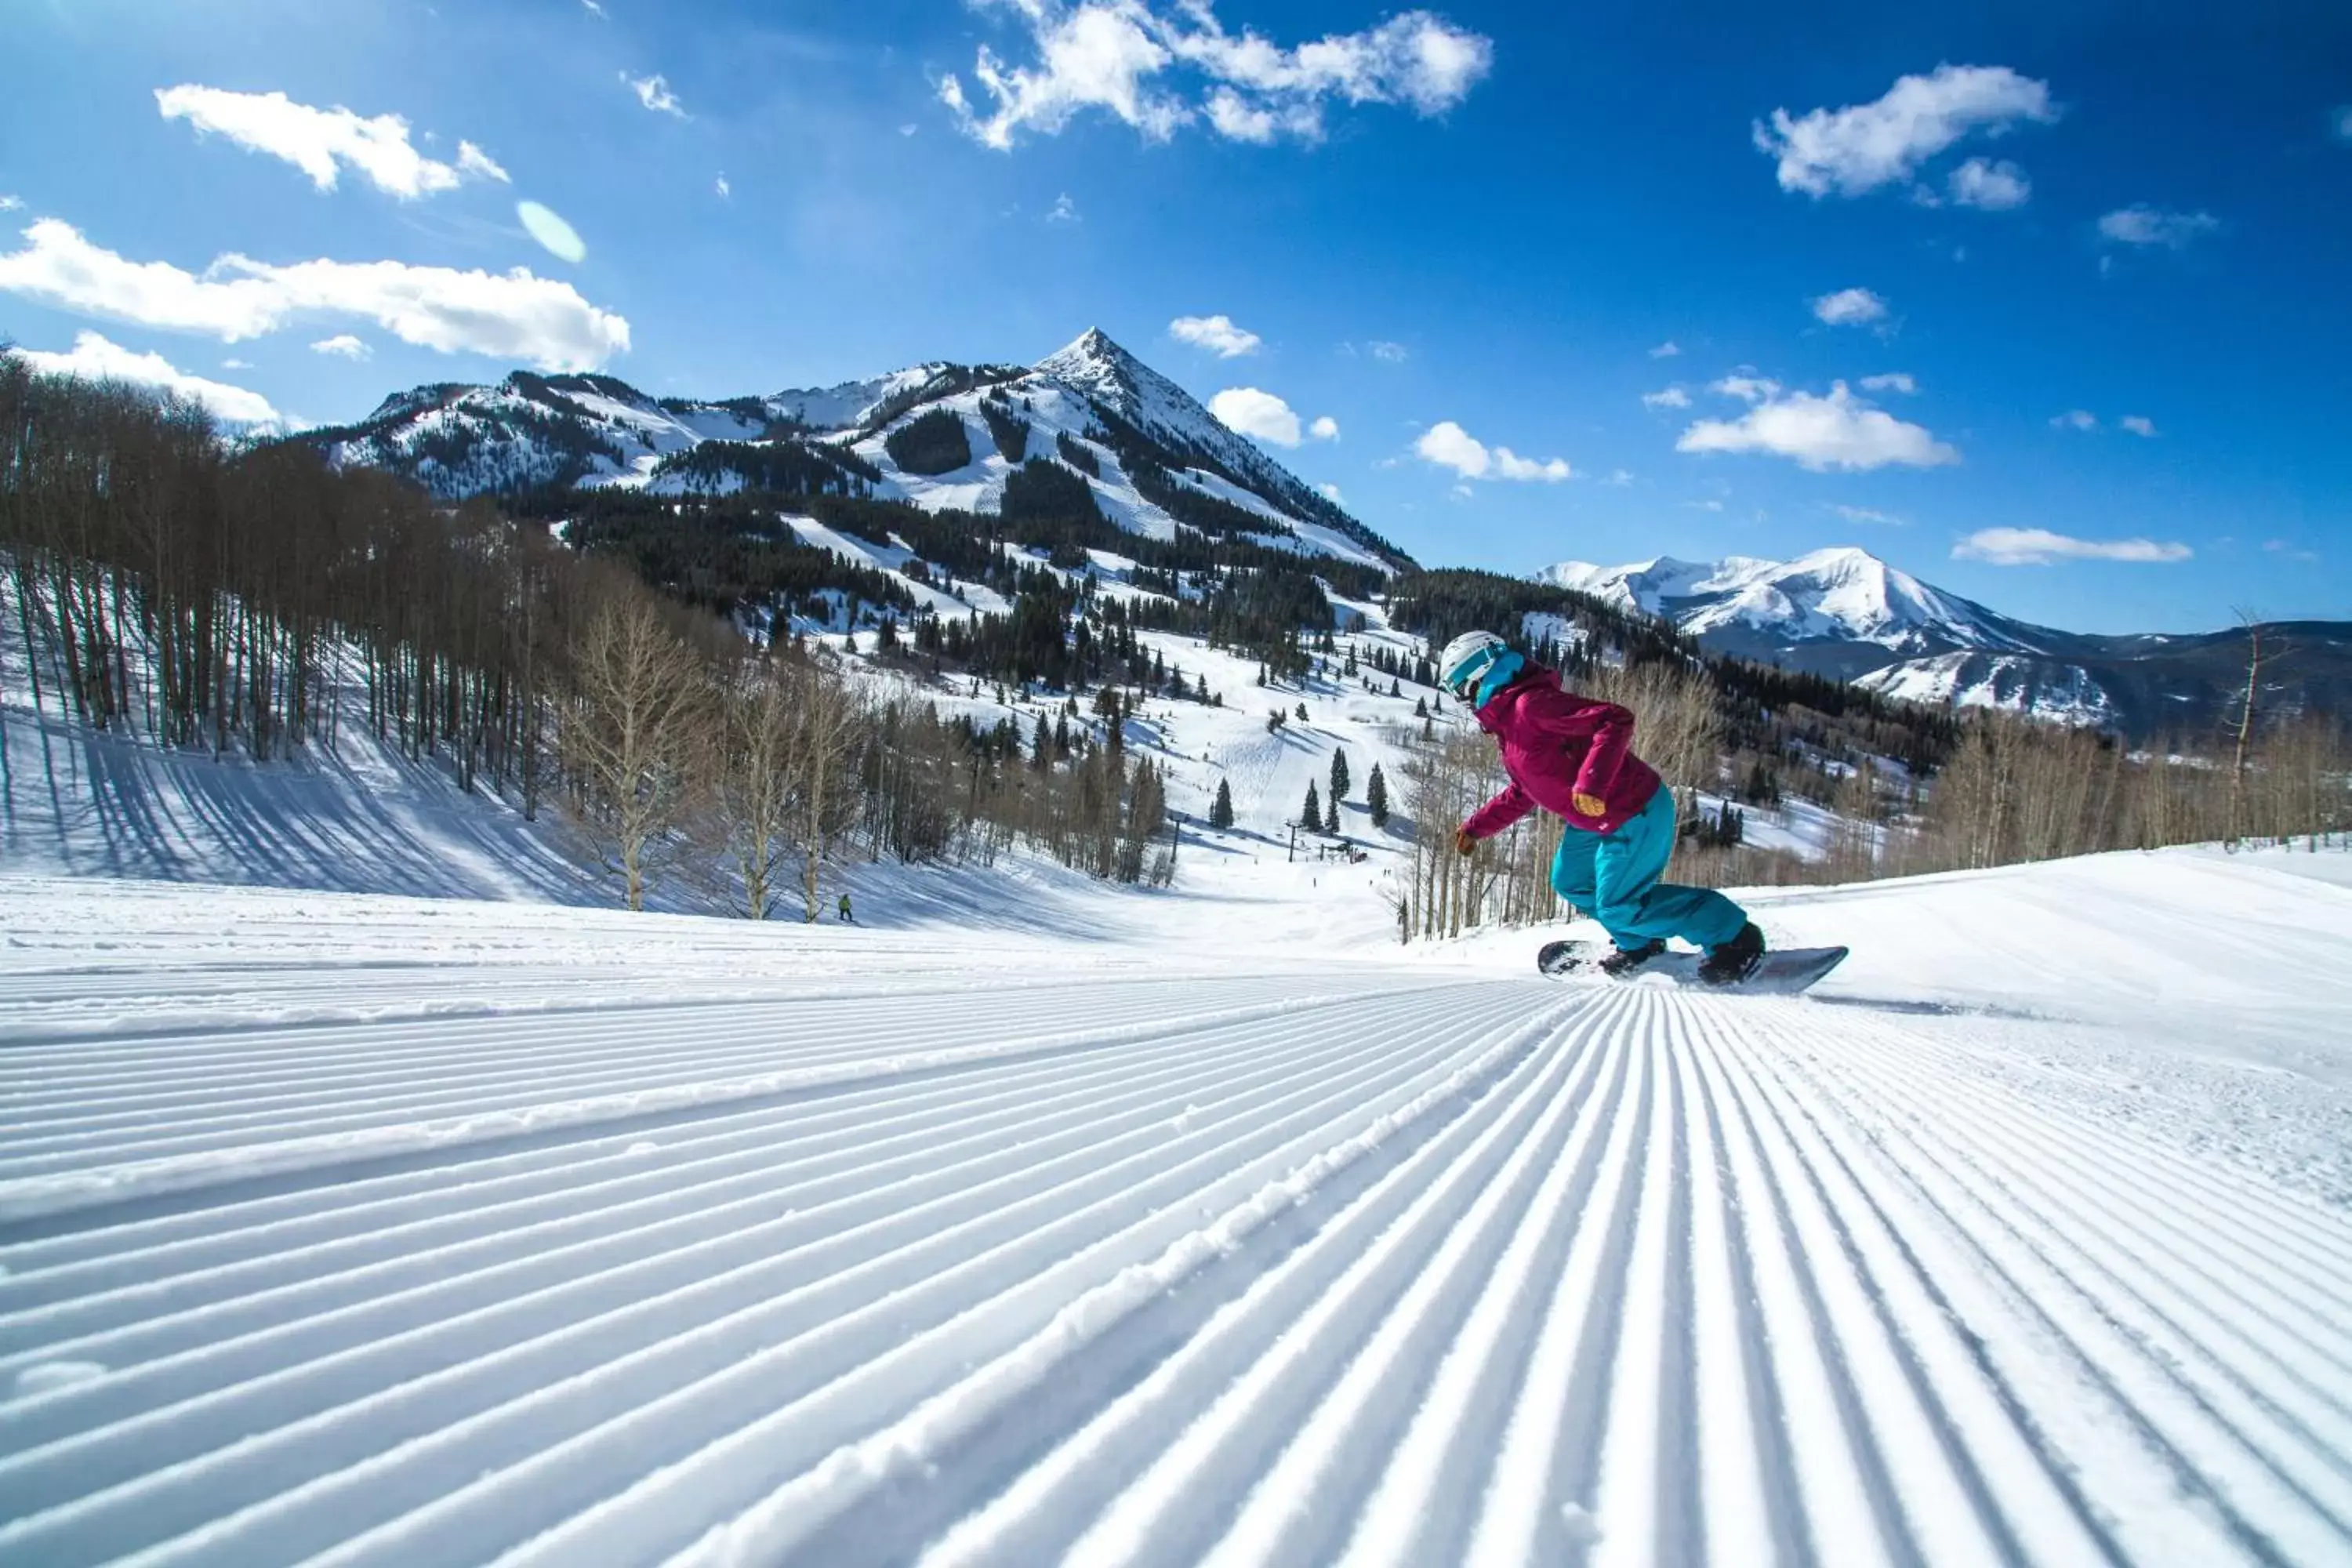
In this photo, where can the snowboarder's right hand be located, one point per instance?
(1463, 843)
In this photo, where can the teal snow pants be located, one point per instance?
(1613, 878)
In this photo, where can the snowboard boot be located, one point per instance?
(1729, 962)
(1620, 962)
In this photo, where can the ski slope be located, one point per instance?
(1204, 1230)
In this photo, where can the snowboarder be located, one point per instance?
(1573, 756)
(844, 911)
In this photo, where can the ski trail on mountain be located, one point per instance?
(1342, 1264)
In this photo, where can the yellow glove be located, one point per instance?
(1463, 843)
(1591, 805)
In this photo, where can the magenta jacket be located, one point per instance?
(1557, 744)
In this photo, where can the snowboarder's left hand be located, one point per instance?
(1591, 805)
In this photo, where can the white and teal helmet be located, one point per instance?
(1468, 660)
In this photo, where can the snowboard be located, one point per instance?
(1783, 971)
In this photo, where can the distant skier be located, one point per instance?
(1573, 756)
(844, 911)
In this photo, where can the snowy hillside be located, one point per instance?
(1214, 1230)
(1143, 446)
(529, 431)
(1838, 596)
(1844, 613)
(2011, 682)
(847, 405)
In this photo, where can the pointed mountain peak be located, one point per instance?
(1842, 556)
(1094, 343)
(1090, 355)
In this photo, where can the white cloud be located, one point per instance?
(235, 364)
(2040, 547)
(726, 192)
(1216, 333)
(1332, 493)
(1325, 428)
(1892, 381)
(2144, 224)
(1449, 445)
(2075, 419)
(654, 92)
(11, 204)
(1745, 387)
(1994, 186)
(343, 345)
(1122, 56)
(2137, 424)
(1857, 149)
(1670, 397)
(472, 160)
(1840, 431)
(93, 358)
(1258, 414)
(513, 315)
(321, 142)
(1063, 210)
(1666, 350)
(1388, 353)
(1850, 308)
(2342, 121)
(594, 8)
(558, 237)
(1866, 514)
(1618, 476)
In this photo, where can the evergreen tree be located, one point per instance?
(1302, 712)
(1310, 815)
(1041, 752)
(1376, 797)
(1421, 707)
(1221, 810)
(1339, 779)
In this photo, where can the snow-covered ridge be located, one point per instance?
(846, 405)
(2013, 683)
(1842, 594)
(588, 432)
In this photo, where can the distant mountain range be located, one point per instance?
(1846, 613)
(1154, 458)
(1158, 463)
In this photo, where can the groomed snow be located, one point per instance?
(1182, 1227)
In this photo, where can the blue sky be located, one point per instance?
(1920, 266)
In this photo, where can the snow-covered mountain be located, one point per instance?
(846, 405)
(1840, 611)
(1156, 460)
(1844, 613)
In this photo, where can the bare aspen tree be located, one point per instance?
(829, 722)
(754, 777)
(630, 732)
(2247, 711)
